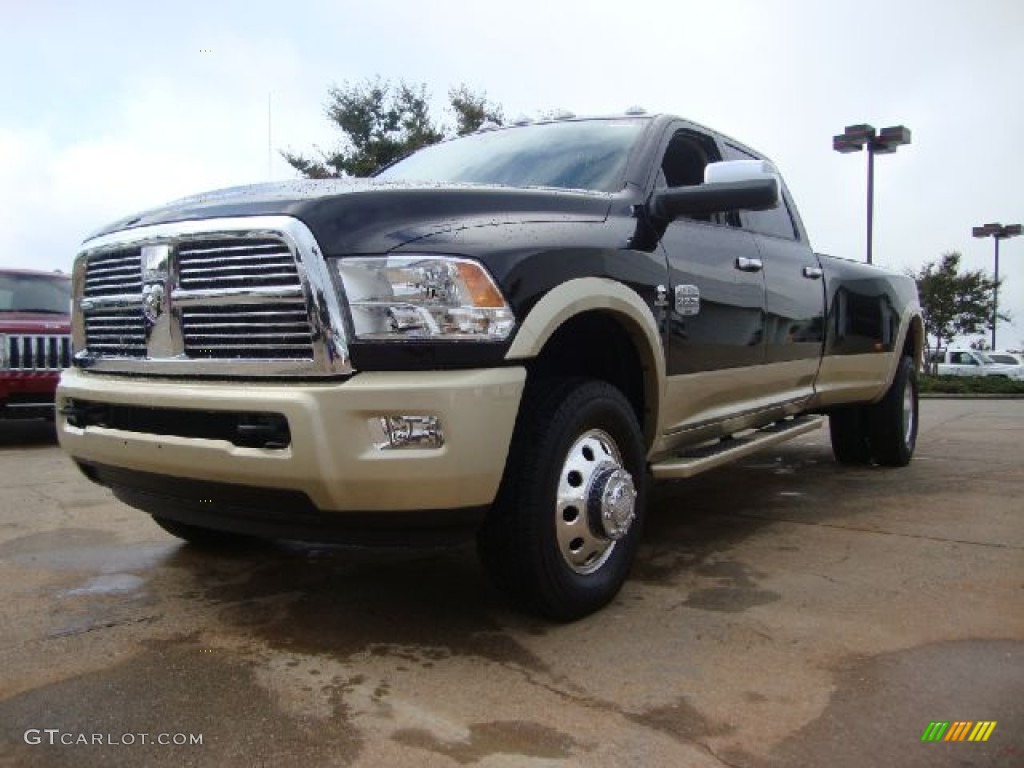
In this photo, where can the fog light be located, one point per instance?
(407, 431)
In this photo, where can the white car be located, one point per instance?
(971, 362)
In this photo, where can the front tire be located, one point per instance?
(563, 532)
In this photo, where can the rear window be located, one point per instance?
(777, 221)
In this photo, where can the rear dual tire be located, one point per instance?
(886, 431)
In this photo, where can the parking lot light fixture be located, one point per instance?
(884, 142)
(997, 232)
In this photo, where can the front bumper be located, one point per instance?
(331, 457)
(27, 394)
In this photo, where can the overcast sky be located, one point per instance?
(111, 107)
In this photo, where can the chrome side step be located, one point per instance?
(728, 449)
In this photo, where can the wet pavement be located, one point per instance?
(784, 612)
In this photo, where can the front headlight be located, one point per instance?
(423, 297)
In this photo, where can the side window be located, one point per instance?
(687, 154)
(776, 221)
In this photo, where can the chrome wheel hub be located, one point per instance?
(908, 414)
(616, 506)
(596, 503)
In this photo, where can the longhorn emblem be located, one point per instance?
(152, 302)
(155, 272)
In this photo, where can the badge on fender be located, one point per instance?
(687, 300)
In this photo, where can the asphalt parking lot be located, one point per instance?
(784, 612)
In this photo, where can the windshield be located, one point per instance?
(35, 293)
(585, 154)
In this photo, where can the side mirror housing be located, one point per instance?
(751, 185)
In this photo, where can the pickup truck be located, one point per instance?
(971, 362)
(35, 340)
(514, 331)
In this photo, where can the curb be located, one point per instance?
(962, 396)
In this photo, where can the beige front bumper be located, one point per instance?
(332, 457)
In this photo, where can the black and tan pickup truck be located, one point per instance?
(513, 332)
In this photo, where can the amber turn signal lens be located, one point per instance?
(481, 289)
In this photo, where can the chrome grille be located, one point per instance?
(114, 273)
(236, 263)
(238, 296)
(37, 353)
(267, 331)
(116, 332)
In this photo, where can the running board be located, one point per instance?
(728, 449)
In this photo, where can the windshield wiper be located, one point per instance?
(38, 310)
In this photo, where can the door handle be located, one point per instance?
(744, 264)
(813, 273)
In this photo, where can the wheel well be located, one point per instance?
(597, 345)
(913, 344)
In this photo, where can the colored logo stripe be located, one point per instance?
(934, 731)
(958, 730)
(982, 731)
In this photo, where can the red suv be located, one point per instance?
(35, 340)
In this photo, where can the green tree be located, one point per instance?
(954, 303)
(472, 110)
(380, 122)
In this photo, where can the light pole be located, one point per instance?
(884, 142)
(997, 232)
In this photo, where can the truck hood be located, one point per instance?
(34, 322)
(370, 216)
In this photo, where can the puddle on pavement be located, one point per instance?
(682, 721)
(729, 599)
(882, 705)
(112, 583)
(173, 687)
(675, 543)
(517, 738)
(83, 549)
(417, 607)
(736, 591)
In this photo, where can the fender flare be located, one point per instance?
(597, 294)
(911, 321)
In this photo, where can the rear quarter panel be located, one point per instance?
(870, 312)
